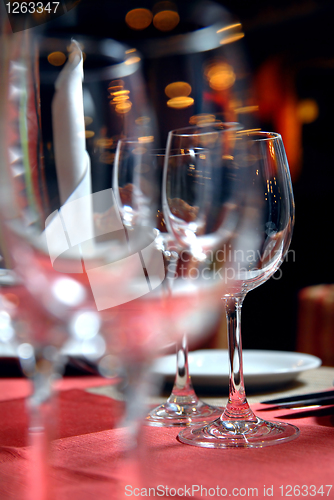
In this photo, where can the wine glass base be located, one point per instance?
(238, 434)
(173, 415)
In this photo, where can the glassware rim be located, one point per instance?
(263, 135)
(186, 131)
(157, 152)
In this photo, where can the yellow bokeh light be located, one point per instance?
(147, 138)
(166, 20)
(220, 75)
(123, 107)
(114, 89)
(57, 58)
(138, 19)
(202, 119)
(177, 89)
(118, 93)
(121, 98)
(89, 134)
(246, 109)
(180, 102)
(232, 38)
(132, 60)
(116, 86)
(307, 110)
(229, 27)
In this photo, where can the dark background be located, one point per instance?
(297, 37)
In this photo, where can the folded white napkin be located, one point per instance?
(72, 161)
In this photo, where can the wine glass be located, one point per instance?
(137, 183)
(255, 163)
(64, 103)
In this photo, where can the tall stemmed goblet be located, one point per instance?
(59, 225)
(137, 183)
(193, 178)
(254, 252)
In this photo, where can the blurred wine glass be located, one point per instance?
(254, 252)
(137, 183)
(64, 103)
(197, 70)
(136, 178)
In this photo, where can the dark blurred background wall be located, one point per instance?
(289, 46)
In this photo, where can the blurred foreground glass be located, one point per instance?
(254, 251)
(60, 230)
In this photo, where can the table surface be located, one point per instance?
(89, 459)
(309, 381)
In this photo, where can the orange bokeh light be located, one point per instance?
(220, 75)
(57, 58)
(177, 89)
(138, 19)
(166, 20)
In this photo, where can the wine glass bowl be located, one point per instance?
(63, 122)
(258, 247)
(200, 196)
(254, 252)
(135, 180)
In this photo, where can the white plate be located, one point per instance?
(261, 368)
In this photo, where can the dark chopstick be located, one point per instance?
(321, 398)
(319, 411)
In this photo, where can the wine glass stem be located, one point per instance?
(183, 392)
(41, 410)
(42, 420)
(237, 407)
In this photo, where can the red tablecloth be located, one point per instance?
(87, 461)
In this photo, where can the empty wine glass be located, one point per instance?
(137, 183)
(257, 163)
(64, 103)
